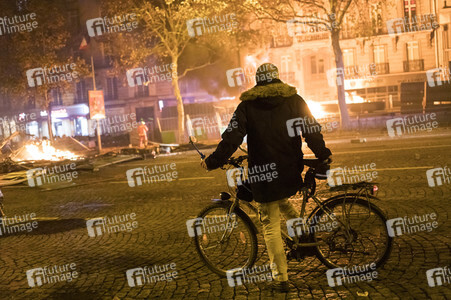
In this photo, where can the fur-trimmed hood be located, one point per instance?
(268, 91)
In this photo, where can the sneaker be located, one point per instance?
(280, 286)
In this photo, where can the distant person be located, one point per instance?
(142, 132)
(273, 116)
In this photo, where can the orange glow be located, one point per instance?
(44, 151)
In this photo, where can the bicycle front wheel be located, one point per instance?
(356, 235)
(227, 240)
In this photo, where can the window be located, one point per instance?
(413, 62)
(313, 64)
(81, 95)
(447, 31)
(73, 18)
(320, 65)
(142, 91)
(413, 52)
(57, 97)
(31, 103)
(410, 10)
(348, 57)
(316, 65)
(111, 90)
(285, 63)
(288, 77)
(379, 54)
(376, 17)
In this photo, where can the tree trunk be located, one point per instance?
(180, 108)
(344, 116)
(49, 116)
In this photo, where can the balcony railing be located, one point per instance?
(414, 65)
(382, 68)
(351, 72)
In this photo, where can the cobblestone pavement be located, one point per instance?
(161, 237)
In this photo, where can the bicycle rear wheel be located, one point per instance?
(225, 246)
(2, 210)
(362, 240)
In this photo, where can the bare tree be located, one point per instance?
(163, 34)
(329, 14)
(47, 46)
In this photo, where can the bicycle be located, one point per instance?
(346, 245)
(2, 209)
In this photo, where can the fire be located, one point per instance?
(316, 109)
(45, 151)
(354, 98)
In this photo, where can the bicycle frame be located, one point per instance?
(306, 195)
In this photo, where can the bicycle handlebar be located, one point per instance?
(312, 163)
(237, 161)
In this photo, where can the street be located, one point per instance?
(159, 235)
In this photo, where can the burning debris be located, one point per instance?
(37, 151)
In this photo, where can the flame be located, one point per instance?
(316, 109)
(354, 98)
(44, 151)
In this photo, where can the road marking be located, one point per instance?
(181, 179)
(390, 149)
(46, 218)
(196, 178)
(405, 168)
(390, 169)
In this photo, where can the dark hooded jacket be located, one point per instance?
(266, 116)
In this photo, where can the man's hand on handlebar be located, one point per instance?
(322, 168)
(203, 164)
(327, 161)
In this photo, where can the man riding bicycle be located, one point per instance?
(273, 116)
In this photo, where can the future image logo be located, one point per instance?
(235, 77)
(351, 175)
(235, 177)
(211, 224)
(438, 176)
(438, 276)
(357, 273)
(395, 26)
(136, 77)
(145, 275)
(438, 76)
(51, 175)
(309, 25)
(335, 76)
(255, 274)
(58, 273)
(149, 75)
(207, 25)
(107, 225)
(410, 225)
(17, 224)
(106, 25)
(257, 173)
(412, 24)
(18, 24)
(300, 226)
(152, 174)
(57, 73)
(411, 124)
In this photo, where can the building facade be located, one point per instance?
(386, 71)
